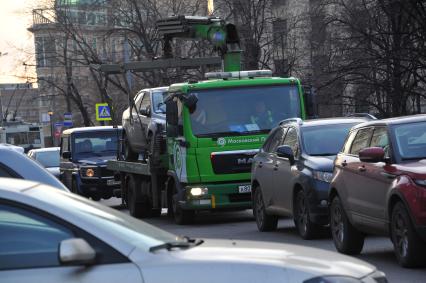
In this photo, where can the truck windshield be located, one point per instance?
(247, 110)
(103, 143)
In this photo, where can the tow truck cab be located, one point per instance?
(215, 127)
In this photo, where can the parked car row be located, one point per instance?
(54, 236)
(355, 176)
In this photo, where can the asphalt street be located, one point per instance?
(240, 225)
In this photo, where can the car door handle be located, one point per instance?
(344, 163)
(362, 169)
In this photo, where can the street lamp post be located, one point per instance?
(50, 113)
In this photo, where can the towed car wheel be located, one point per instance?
(264, 221)
(346, 238)
(409, 248)
(306, 228)
(129, 154)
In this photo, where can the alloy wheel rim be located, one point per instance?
(401, 235)
(337, 224)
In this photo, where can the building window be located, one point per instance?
(45, 51)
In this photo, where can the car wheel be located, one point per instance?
(408, 246)
(129, 154)
(264, 221)
(346, 238)
(138, 207)
(181, 216)
(306, 228)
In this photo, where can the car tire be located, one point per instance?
(408, 246)
(138, 207)
(129, 154)
(264, 221)
(305, 227)
(346, 238)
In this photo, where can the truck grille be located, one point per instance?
(232, 162)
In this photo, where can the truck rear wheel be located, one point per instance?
(139, 205)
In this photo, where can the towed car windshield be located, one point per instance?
(248, 110)
(325, 139)
(102, 143)
(48, 158)
(411, 140)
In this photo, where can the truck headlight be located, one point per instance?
(90, 172)
(196, 192)
(322, 176)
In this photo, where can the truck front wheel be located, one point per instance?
(181, 216)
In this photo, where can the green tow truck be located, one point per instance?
(213, 129)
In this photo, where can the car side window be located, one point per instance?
(277, 139)
(361, 141)
(292, 140)
(146, 101)
(380, 139)
(6, 172)
(29, 240)
(137, 100)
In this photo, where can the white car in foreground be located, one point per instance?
(48, 235)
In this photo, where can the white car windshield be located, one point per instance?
(125, 227)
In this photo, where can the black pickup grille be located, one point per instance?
(232, 162)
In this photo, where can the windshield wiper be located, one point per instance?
(180, 245)
(234, 133)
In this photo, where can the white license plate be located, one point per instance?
(244, 189)
(113, 182)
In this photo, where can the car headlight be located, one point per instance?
(322, 176)
(88, 172)
(333, 279)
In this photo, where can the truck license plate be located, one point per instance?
(244, 189)
(113, 182)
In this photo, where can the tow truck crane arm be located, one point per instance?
(223, 37)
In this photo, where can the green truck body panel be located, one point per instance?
(192, 163)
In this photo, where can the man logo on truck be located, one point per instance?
(244, 161)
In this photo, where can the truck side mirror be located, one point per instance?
(172, 113)
(310, 104)
(190, 100)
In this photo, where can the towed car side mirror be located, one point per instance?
(146, 111)
(372, 155)
(76, 251)
(66, 155)
(286, 152)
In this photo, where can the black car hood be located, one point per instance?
(96, 160)
(320, 163)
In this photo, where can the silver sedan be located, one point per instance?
(48, 235)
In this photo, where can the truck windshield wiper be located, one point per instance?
(179, 245)
(234, 133)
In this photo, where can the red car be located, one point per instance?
(379, 187)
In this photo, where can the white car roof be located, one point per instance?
(19, 149)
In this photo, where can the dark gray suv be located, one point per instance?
(292, 172)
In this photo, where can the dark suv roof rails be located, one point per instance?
(362, 115)
(292, 120)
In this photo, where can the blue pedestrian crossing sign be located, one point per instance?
(103, 112)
